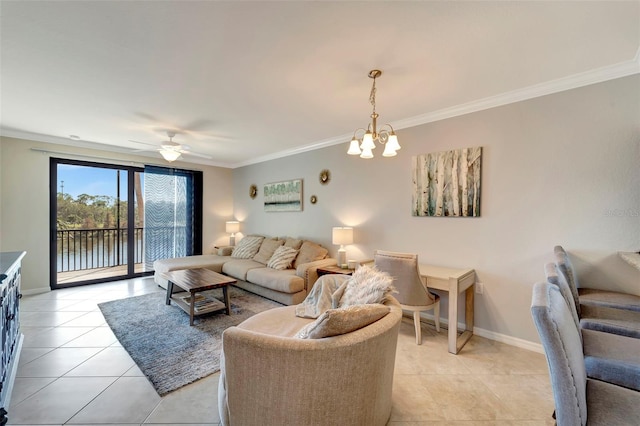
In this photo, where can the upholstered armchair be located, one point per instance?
(579, 400)
(270, 377)
(413, 293)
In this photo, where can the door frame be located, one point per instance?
(53, 215)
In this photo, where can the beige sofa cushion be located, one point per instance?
(209, 261)
(238, 268)
(310, 252)
(247, 247)
(293, 243)
(343, 320)
(285, 281)
(266, 250)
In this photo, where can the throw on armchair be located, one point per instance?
(269, 377)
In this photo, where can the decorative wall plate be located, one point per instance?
(325, 176)
(253, 191)
(313, 199)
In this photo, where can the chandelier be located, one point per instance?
(385, 136)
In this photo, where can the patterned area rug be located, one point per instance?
(159, 339)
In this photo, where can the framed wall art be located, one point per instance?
(447, 183)
(283, 196)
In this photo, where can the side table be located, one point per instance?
(324, 270)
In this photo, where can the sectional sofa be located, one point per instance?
(252, 263)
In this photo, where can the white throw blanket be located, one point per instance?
(326, 294)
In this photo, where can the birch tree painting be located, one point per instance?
(447, 183)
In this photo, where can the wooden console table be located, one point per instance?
(454, 281)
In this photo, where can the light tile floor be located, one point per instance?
(73, 371)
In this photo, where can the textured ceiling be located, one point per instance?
(245, 81)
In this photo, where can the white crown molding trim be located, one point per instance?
(38, 137)
(574, 81)
(598, 75)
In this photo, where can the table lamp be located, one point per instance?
(232, 227)
(342, 235)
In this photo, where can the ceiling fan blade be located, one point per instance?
(195, 154)
(143, 143)
(144, 150)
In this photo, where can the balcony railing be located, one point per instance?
(81, 249)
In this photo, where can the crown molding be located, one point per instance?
(39, 137)
(598, 75)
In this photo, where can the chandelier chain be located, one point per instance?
(372, 95)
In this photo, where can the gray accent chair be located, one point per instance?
(591, 296)
(413, 293)
(578, 399)
(608, 357)
(595, 317)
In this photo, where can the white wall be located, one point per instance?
(559, 169)
(24, 202)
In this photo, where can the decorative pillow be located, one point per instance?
(247, 247)
(310, 252)
(343, 320)
(225, 251)
(266, 250)
(282, 258)
(292, 242)
(367, 285)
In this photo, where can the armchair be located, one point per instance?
(269, 377)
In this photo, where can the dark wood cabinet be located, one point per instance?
(11, 343)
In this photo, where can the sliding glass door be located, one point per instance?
(111, 222)
(173, 214)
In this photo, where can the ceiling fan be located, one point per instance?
(171, 150)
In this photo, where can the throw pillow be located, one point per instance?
(247, 247)
(292, 242)
(343, 320)
(267, 248)
(310, 252)
(367, 285)
(282, 258)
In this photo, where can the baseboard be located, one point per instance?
(491, 335)
(33, 291)
(509, 340)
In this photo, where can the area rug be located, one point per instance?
(159, 339)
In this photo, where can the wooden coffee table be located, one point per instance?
(194, 281)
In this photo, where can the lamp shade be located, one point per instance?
(367, 141)
(342, 235)
(388, 150)
(366, 153)
(354, 147)
(393, 142)
(232, 227)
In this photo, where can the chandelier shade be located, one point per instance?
(385, 136)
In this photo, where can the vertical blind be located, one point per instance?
(173, 213)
